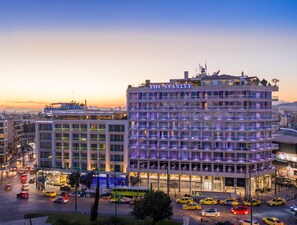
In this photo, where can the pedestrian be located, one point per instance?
(201, 220)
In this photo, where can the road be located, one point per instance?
(13, 208)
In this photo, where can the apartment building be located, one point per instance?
(205, 133)
(76, 137)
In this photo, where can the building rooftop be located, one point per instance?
(285, 135)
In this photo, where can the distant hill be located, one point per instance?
(290, 105)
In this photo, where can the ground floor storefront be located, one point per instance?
(172, 183)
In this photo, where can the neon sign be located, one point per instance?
(169, 86)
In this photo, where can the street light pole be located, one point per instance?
(275, 170)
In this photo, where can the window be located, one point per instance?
(101, 127)
(101, 137)
(116, 128)
(116, 148)
(116, 137)
(116, 158)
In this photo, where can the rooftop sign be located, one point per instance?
(169, 86)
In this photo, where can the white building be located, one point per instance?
(206, 133)
(75, 137)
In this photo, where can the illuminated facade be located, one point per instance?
(82, 138)
(206, 133)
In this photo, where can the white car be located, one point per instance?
(248, 222)
(211, 212)
(25, 187)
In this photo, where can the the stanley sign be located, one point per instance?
(169, 86)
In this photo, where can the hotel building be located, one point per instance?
(77, 137)
(206, 133)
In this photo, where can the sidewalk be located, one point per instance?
(34, 221)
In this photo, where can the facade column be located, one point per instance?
(201, 184)
(235, 185)
(158, 181)
(224, 180)
(179, 181)
(211, 183)
(190, 181)
(148, 180)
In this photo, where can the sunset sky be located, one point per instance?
(61, 50)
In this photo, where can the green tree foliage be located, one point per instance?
(87, 179)
(135, 180)
(155, 204)
(73, 180)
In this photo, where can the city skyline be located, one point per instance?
(53, 51)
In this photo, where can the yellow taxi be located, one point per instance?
(208, 201)
(255, 202)
(184, 200)
(272, 221)
(50, 194)
(276, 201)
(192, 205)
(229, 202)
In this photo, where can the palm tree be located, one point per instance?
(275, 81)
(73, 181)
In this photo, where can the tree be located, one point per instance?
(73, 181)
(264, 82)
(94, 209)
(155, 204)
(87, 179)
(174, 185)
(134, 180)
(275, 81)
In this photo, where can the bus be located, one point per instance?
(131, 192)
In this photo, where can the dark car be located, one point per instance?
(224, 223)
(106, 196)
(61, 200)
(64, 188)
(32, 180)
(63, 194)
(23, 195)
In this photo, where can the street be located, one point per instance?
(13, 208)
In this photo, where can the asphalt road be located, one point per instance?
(12, 208)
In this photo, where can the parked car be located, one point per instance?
(276, 201)
(184, 200)
(224, 223)
(32, 180)
(255, 202)
(23, 195)
(50, 194)
(209, 201)
(13, 168)
(65, 188)
(248, 222)
(7, 187)
(63, 194)
(192, 205)
(229, 202)
(106, 195)
(211, 212)
(123, 200)
(293, 208)
(25, 187)
(240, 210)
(61, 200)
(272, 221)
